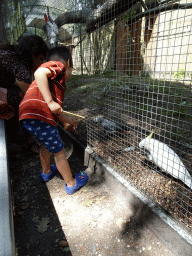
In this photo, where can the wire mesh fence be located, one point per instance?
(138, 67)
(133, 65)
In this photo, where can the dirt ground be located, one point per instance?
(37, 228)
(93, 221)
(96, 96)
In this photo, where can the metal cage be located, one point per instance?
(134, 59)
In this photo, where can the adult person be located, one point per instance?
(19, 62)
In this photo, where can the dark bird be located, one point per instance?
(110, 127)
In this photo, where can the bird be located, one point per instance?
(109, 127)
(166, 159)
(51, 30)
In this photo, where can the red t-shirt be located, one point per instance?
(33, 105)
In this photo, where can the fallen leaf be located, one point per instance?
(31, 164)
(84, 190)
(63, 243)
(35, 219)
(100, 198)
(93, 199)
(20, 212)
(88, 202)
(24, 206)
(121, 223)
(66, 249)
(43, 225)
(25, 198)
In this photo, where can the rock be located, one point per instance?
(120, 223)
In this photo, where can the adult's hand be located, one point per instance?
(23, 86)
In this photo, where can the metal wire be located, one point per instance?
(150, 89)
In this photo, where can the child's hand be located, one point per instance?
(55, 107)
(69, 127)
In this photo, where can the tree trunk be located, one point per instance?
(112, 9)
(98, 17)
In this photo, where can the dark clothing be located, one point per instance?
(15, 66)
(12, 68)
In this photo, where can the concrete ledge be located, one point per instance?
(177, 239)
(7, 241)
(146, 218)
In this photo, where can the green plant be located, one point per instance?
(84, 88)
(130, 15)
(180, 75)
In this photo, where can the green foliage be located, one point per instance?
(100, 102)
(74, 82)
(180, 75)
(176, 134)
(129, 16)
(143, 107)
(85, 88)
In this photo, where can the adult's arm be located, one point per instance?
(23, 86)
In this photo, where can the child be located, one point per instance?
(40, 110)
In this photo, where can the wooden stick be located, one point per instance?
(72, 114)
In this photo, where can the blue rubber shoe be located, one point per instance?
(49, 176)
(81, 180)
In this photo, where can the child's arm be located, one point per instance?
(69, 127)
(41, 77)
(68, 123)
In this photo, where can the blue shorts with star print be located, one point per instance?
(44, 133)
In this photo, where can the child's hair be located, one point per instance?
(60, 53)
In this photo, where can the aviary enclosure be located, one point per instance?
(133, 73)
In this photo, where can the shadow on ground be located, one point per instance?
(37, 228)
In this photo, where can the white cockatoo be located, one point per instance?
(52, 31)
(165, 158)
(109, 127)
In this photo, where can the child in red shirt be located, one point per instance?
(40, 111)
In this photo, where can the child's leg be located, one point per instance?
(49, 136)
(45, 158)
(73, 184)
(64, 168)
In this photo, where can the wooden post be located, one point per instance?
(81, 52)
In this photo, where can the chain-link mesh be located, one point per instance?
(134, 61)
(137, 68)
